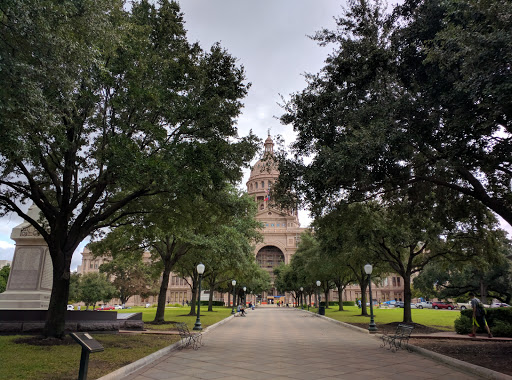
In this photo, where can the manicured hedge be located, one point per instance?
(214, 303)
(499, 321)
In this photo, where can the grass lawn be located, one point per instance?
(439, 319)
(179, 314)
(61, 362)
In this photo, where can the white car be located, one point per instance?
(118, 307)
(71, 307)
(464, 306)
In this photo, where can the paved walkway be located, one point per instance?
(281, 343)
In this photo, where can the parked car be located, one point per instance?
(106, 307)
(443, 305)
(413, 306)
(118, 307)
(424, 305)
(71, 307)
(500, 304)
(464, 305)
(399, 304)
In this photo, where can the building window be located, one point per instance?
(256, 185)
(398, 281)
(91, 265)
(262, 184)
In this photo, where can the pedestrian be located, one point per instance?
(478, 319)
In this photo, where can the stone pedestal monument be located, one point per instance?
(30, 279)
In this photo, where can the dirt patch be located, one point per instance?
(489, 354)
(42, 341)
(390, 328)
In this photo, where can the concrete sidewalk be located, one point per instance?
(283, 343)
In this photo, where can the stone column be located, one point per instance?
(30, 279)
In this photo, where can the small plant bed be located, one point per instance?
(490, 354)
(389, 328)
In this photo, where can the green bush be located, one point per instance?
(499, 321)
(333, 303)
(463, 324)
(214, 303)
(177, 305)
(349, 303)
(501, 328)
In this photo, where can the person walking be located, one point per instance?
(478, 319)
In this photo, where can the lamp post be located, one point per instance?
(301, 299)
(200, 270)
(318, 294)
(245, 289)
(234, 284)
(368, 269)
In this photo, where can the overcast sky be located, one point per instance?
(269, 38)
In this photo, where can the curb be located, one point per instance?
(469, 368)
(123, 372)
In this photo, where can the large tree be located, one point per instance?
(103, 102)
(131, 276)
(419, 94)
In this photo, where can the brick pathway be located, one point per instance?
(281, 343)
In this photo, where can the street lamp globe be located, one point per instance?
(301, 289)
(318, 283)
(200, 268)
(245, 288)
(233, 282)
(368, 268)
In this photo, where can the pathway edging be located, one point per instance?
(122, 372)
(456, 363)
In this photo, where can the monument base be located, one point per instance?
(32, 321)
(25, 300)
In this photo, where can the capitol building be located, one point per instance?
(280, 239)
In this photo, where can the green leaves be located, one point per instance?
(419, 94)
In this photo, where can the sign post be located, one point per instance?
(89, 344)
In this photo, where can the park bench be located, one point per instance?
(399, 339)
(187, 338)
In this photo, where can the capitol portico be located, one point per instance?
(281, 228)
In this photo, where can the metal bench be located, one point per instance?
(187, 338)
(400, 339)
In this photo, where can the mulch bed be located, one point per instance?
(489, 354)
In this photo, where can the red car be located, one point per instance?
(443, 305)
(106, 307)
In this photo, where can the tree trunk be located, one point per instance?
(56, 317)
(363, 287)
(326, 294)
(407, 298)
(160, 309)
(340, 299)
(210, 298)
(194, 297)
(229, 299)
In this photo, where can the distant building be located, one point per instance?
(281, 228)
(3, 263)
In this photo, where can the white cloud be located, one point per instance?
(6, 245)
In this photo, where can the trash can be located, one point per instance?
(321, 310)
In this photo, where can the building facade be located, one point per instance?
(281, 236)
(281, 228)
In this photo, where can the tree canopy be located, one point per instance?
(103, 102)
(420, 94)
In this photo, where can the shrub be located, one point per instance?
(501, 328)
(499, 321)
(463, 325)
(214, 303)
(349, 303)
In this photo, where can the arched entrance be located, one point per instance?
(268, 258)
